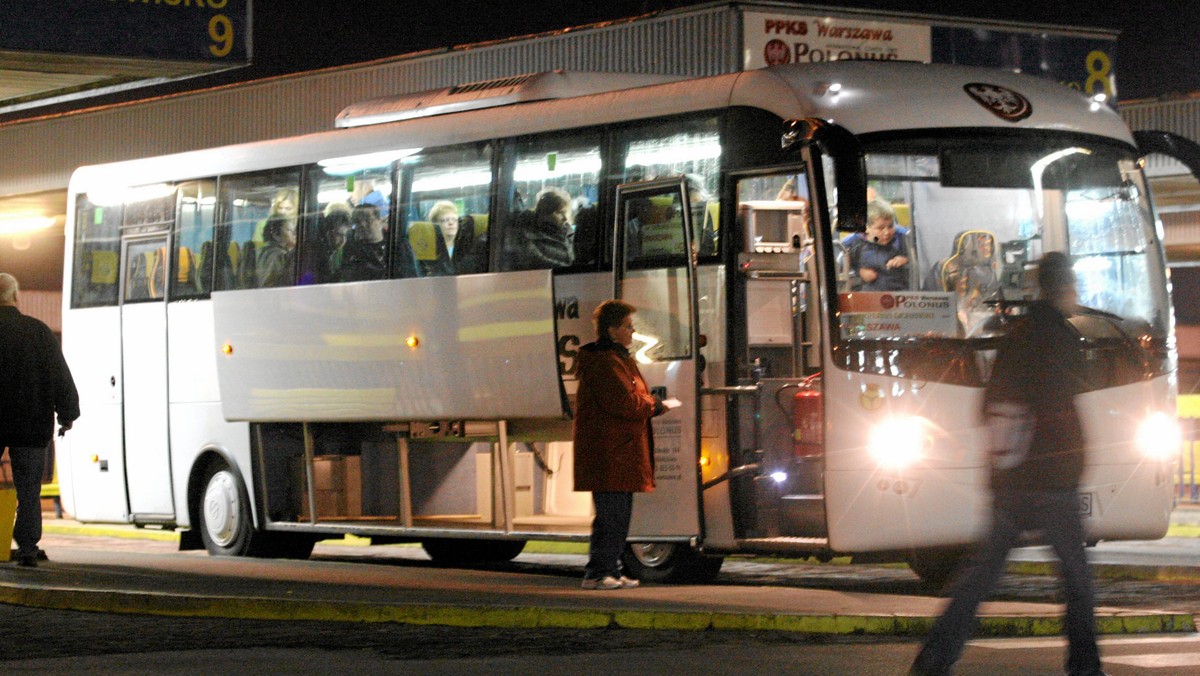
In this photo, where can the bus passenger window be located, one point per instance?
(445, 213)
(149, 213)
(554, 219)
(335, 187)
(98, 239)
(145, 265)
(192, 276)
(247, 203)
(692, 150)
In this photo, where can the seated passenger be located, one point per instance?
(282, 204)
(879, 255)
(273, 266)
(335, 233)
(542, 239)
(366, 253)
(469, 253)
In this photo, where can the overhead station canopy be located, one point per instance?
(58, 50)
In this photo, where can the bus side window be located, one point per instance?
(246, 202)
(94, 272)
(693, 150)
(443, 218)
(194, 240)
(335, 188)
(554, 219)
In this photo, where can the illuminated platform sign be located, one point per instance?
(216, 32)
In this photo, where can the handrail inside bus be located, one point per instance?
(732, 390)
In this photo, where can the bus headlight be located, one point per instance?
(897, 442)
(1159, 436)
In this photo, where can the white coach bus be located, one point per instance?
(373, 330)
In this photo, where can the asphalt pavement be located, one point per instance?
(127, 570)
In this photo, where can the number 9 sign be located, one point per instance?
(220, 29)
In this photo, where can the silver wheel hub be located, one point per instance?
(222, 509)
(653, 555)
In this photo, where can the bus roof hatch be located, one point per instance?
(557, 84)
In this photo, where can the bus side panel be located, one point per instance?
(90, 456)
(199, 426)
(192, 361)
(196, 419)
(470, 347)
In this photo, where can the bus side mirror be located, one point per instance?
(849, 162)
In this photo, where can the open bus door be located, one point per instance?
(655, 272)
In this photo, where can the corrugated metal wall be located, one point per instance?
(41, 155)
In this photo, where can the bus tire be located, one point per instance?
(460, 552)
(936, 567)
(668, 562)
(225, 524)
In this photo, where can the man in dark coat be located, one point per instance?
(36, 384)
(1038, 372)
(614, 447)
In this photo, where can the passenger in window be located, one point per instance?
(283, 204)
(456, 254)
(366, 253)
(444, 217)
(879, 255)
(543, 239)
(274, 264)
(335, 233)
(376, 198)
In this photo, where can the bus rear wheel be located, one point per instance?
(226, 526)
(668, 562)
(461, 552)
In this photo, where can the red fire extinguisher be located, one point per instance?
(808, 419)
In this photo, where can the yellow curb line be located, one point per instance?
(257, 608)
(1113, 571)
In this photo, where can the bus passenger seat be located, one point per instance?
(481, 225)
(973, 255)
(247, 270)
(423, 237)
(185, 271)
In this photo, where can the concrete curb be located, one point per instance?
(512, 617)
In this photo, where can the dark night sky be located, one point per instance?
(1158, 51)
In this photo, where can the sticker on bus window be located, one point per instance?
(887, 314)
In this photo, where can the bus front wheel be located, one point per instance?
(668, 562)
(226, 525)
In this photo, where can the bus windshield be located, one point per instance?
(955, 228)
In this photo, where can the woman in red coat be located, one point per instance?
(614, 448)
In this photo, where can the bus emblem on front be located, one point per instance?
(871, 398)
